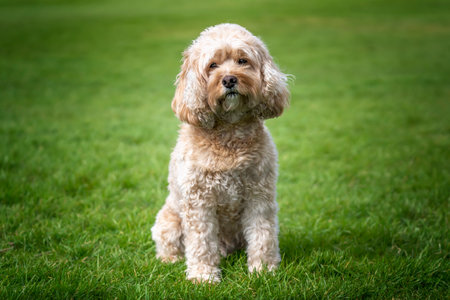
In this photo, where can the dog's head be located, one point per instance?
(228, 75)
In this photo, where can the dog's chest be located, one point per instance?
(229, 192)
(225, 151)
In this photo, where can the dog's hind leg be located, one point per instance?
(167, 234)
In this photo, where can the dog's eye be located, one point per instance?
(242, 61)
(213, 66)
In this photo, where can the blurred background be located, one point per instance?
(86, 131)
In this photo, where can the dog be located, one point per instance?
(223, 169)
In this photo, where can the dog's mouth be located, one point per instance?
(231, 100)
(232, 94)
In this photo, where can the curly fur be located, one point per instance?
(223, 170)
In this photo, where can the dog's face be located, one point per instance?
(233, 84)
(228, 76)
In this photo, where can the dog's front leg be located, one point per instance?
(260, 225)
(201, 230)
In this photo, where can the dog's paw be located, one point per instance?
(258, 266)
(209, 279)
(204, 275)
(169, 258)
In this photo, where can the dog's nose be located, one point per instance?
(229, 81)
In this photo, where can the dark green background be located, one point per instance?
(86, 131)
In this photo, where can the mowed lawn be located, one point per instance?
(86, 132)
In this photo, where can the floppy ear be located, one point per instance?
(275, 93)
(189, 103)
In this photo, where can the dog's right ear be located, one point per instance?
(189, 103)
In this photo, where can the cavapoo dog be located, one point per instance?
(223, 170)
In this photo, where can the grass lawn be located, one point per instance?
(86, 131)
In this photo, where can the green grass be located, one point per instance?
(86, 132)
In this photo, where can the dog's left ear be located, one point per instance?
(274, 88)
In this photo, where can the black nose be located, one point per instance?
(229, 81)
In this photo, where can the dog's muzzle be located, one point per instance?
(231, 101)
